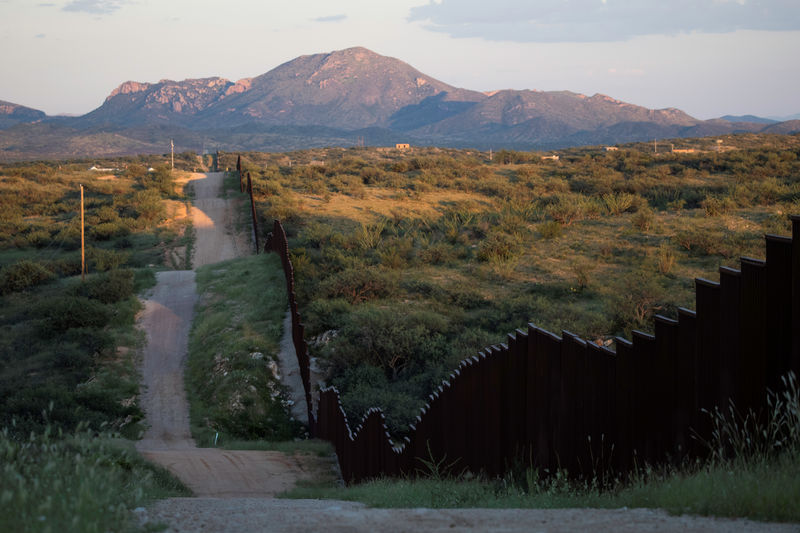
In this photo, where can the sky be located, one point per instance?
(706, 57)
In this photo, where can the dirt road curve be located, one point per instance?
(166, 320)
(235, 487)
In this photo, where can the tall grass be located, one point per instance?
(79, 483)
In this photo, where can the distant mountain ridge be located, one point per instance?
(332, 98)
(12, 114)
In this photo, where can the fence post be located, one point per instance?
(666, 346)
(795, 360)
(253, 212)
(686, 410)
(754, 336)
(779, 301)
(730, 350)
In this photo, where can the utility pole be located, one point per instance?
(172, 152)
(83, 248)
(655, 146)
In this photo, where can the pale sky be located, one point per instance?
(706, 57)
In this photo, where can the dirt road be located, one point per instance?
(166, 320)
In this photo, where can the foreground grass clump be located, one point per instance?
(232, 372)
(75, 483)
(758, 490)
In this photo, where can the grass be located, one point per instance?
(758, 490)
(80, 482)
(233, 390)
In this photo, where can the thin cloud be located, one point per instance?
(602, 20)
(331, 18)
(95, 7)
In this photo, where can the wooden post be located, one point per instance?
(253, 211)
(83, 248)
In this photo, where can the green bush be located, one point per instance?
(110, 287)
(67, 312)
(108, 230)
(359, 284)
(498, 248)
(550, 229)
(103, 260)
(22, 275)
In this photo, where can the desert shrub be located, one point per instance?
(498, 248)
(109, 287)
(643, 219)
(665, 259)
(550, 229)
(108, 230)
(636, 299)
(22, 275)
(359, 284)
(103, 260)
(69, 312)
(716, 206)
(466, 298)
(149, 207)
(618, 203)
(568, 209)
(159, 179)
(325, 315)
(392, 340)
(436, 254)
(38, 238)
(697, 241)
(369, 235)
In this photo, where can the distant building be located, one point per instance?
(100, 169)
(611, 148)
(553, 157)
(402, 146)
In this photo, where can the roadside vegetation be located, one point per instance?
(68, 348)
(233, 376)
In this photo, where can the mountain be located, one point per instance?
(796, 116)
(165, 102)
(13, 114)
(336, 98)
(749, 118)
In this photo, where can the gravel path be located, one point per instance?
(247, 515)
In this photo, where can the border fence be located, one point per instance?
(562, 402)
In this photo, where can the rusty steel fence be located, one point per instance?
(560, 402)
